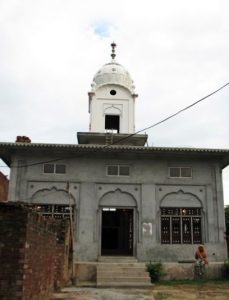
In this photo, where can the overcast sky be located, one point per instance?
(176, 52)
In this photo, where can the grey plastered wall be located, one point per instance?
(147, 177)
(86, 245)
(148, 226)
(13, 180)
(17, 188)
(220, 204)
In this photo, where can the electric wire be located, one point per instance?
(176, 113)
(133, 134)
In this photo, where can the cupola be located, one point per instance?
(111, 103)
(112, 99)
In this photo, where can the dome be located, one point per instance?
(113, 73)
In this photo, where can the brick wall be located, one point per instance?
(4, 185)
(34, 253)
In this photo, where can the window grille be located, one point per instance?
(49, 168)
(60, 169)
(54, 168)
(55, 211)
(124, 170)
(112, 170)
(180, 172)
(118, 170)
(181, 225)
(165, 230)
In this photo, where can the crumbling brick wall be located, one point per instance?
(33, 253)
(64, 256)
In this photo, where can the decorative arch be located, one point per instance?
(180, 199)
(118, 198)
(112, 110)
(52, 196)
(180, 226)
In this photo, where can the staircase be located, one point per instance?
(122, 272)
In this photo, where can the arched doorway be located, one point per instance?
(117, 223)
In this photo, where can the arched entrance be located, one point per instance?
(117, 223)
(117, 231)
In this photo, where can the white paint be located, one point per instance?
(101, 103)
(147, 228)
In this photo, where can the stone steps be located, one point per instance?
(125, 284)
(117, 259)
(106, 266)
(122, 274)
(123, 278)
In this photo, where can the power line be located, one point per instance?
(137, 132)
(177, 113)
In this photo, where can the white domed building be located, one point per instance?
(130, 202)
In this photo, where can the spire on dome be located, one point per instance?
(113, 46)
(113, 73)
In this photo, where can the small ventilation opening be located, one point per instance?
(112, 123)
(113, 92)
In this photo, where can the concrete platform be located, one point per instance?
(86, 272)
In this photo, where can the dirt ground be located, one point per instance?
(208, 291)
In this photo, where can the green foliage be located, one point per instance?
(225, 269)
(155, 270)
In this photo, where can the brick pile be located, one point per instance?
(23, 139)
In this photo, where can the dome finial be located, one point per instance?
(113, 46)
